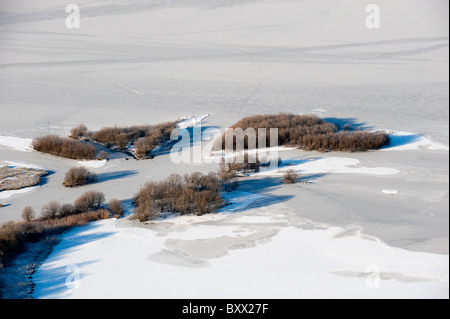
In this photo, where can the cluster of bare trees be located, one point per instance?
(54, 220)
(144, 138)
(65, 147)
(310, 132)
(194, 193)
(353, 141)
(89, 201)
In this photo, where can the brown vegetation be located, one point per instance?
(90, 201)
(116, 208)
(79, 176)
(56, 219)
(194, 193)
(65, 147)
(309, 132)
(50, 210)
(14, 178)
(144, 138)
(103, 155)
(79, 131)
(28, 214)
(290, 177)
(14, 235)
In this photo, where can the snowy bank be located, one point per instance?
(17, 143)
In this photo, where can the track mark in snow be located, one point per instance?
(129, 89)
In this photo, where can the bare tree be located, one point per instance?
(50, 210)
(89, 201)
(28, 214)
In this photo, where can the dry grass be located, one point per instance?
(309, 132)
(14, 178)
(290, 177)
(14, 236)
(17, 237)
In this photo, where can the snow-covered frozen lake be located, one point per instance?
(381, 213)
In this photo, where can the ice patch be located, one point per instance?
(238, 200)
(339, 266)
(17, 143)
(320, 165)
(401, 141)
(93, 164)
(14, 164)
(192, 121)
(391, 191)
(8, 194)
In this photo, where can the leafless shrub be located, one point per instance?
(50, 210)
(67, 210)
(28, 214)
(89, 201)
(64, 147)
(142, 139)
(79, 176)
(194, 193)
(15, 235)
(78, 131)
(144, 146)
(290, 177)
(146, 210)
(240, 166)
(116, 207)
(103, 155)
(309, 132)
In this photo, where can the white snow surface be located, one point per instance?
(26, 165)
(390, 191)
(17, 143)
(155, 60)
(93, 163)
(8, 194)
(115, 262)
(192, 121)
(317, 165)
(401, 141)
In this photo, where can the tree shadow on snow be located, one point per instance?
(105, 177)
(349, 124)
(402, 140)
(192, 142)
